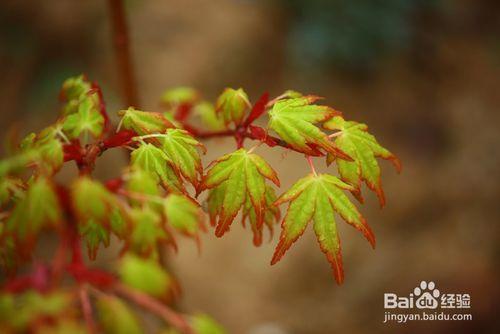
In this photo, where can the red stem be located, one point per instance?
(122, 53)
(272, 141)
(87, 309)
(310, 162)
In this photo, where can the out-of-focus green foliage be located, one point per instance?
(146, 275)
(116, 316)
(38, 209)
(17, 312)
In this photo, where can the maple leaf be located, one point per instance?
(145, 275)
(47, 150)
(179, 95)
(183, 214)
(354, 139)
(10, 189)
(95, 209)
(144, 122)
(317, 198)
(116, 317)
(170, 116)
(271, 215)
(94, 235)
(72, 90)
(43, 150)
(209, 118)
(75, 87)
(153, 160)
(119, 224)
(87, 118)
(31, 306)
(147, 231)
(181, 149)
(293, 120)
(91, 200)
(233, 178)
(142, 182)
(38, 208)
(204, 324)
(231, 105)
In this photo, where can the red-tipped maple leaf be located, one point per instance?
(232, 179)
(354, 139)
(317, 198)
(293, 120)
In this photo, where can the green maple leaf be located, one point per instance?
(183, 214)
(32, 306)
(142, 182)
(271, 215)
(204, 324)
(209, 118)
(233, 178)
(119, 224)
(92, 201)
(317, 198)
(95, 208)
(354, 139)
(179, 95)
(293, 120)
(75, 87)
(72, 90)
(116, 317)
(10, 189)
(147, 231)
(232, 105)
(146, 275)
(16, 163)
(181, 148)
(156, 162)
(200, 324)
(94, 234)
(38, 209)
(170, 116)
(144, 122)
(47, 151)
(87, 118)
(43, 151)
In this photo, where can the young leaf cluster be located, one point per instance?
(164, 193)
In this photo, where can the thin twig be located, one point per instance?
(255, 146)
(335, 134)
(207, 135)
(276, 99)
(309, 160)
(229, 133)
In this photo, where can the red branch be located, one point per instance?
(255, 133)
(87, 309)
(85, 156)
(122, 53)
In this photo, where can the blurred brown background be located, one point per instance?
(423, 74)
